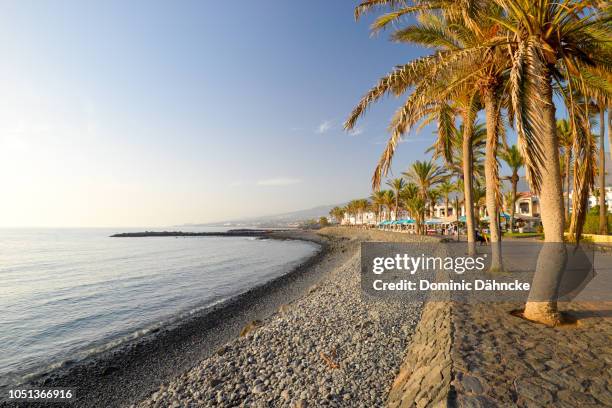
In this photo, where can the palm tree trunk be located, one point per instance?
(542, 302)
(446, 207)
(514, 193)
(610, 129)
(603, 210)
(492, 178)
(568, 161)
(491, 169)
(468, 192)
(396, 204)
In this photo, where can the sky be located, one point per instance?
(151, 113)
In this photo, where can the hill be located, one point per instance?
(277, 220)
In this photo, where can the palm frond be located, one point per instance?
(527, 84)
(368, 6)
(427, 36)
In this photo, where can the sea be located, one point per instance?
(66, 294)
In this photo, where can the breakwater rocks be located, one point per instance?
(230, 233)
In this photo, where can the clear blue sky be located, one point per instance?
(147, 113)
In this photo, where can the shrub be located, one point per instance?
(591, 224)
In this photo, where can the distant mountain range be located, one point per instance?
(277, 220)
(296, 217)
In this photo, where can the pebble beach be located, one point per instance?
(328, 348)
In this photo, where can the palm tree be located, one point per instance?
(509, 202)
(566, 141)
(564, 41)
(389, 201)
(561, 40)
(426, 175)
(446, 188)
(378, 201)
(417, 205)
(584, 168)
(361, 207)
(441, 85)
(434, 197)
(351, 210)
(610, 128)
(409, 191)
(337, 213)
(480, 194)
(396, 184)
(514, 160)
(603, 209)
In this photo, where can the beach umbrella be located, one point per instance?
(405, 221)
(434, 221)
(501, 216)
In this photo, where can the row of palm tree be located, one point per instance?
(424, 185)
(508, 58)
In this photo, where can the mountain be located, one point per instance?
(277, 220)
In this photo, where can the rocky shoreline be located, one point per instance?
(312, 338)
(328, 348)
(130, 372)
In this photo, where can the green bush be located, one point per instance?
(591, 224)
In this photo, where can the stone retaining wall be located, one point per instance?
(425, 376)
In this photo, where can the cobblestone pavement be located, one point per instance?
(502, 360)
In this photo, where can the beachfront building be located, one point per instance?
(594, 199)
(440, 211)
(527, 212)
(527, 205)
(365, 218)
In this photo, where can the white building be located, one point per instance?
(527, 208)
(593, 200)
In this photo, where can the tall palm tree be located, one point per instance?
(566, 142)
(362, 206)
(603, 209)
(378, 202)
(351, 210)
(562, 41)
(417, 206)
(396, 184)
(429, 81)
(610, 128)
(514, 160)
(480, 195)
(337, 213)
(446, 188)
(389, 201)
(455, 164)
(434, 197)
(409, 191)
(509, 202)
(584, 168)
(426, 175)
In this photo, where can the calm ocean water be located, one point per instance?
(67, 293)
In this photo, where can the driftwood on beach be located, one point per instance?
(230, 233)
